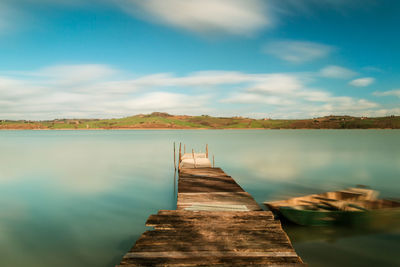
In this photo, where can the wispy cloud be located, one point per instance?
(309, 7)
(388, 93)
(205, 17)
(101, 91)
(237, 17)
(291, 96)
(253, 98)
(337, 72)
(362, 82)
(92, 90)
(297, 51)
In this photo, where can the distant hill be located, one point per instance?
(158, 120)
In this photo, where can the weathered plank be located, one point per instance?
(185, 254)
(222, 198)
(213, 261)
(220, 215)
(224, 227)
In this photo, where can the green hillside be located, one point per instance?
(159, 120)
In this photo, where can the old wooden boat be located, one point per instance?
(353, 206)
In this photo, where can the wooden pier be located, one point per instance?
(216, 223)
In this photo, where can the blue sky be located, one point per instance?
(254, 58)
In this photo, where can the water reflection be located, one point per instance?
(81, 198)
(331, 234)
(344, 246)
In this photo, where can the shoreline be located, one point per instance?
(165, 121)
(145, 129)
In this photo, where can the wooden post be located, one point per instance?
(194, 160)
(184, 148)
(174, 157)
(206, 150)
(180, 156)
(213, 162)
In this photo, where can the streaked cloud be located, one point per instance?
(297, 51)
(162, 101)
(251, 98)
(82, 72)
(282, 83)
(388, 93)
(311, 7)
(289, 94)
(362, 82)
(237, 17)
(101, 91)
(385, 112)
(205, 17)
(337, 72)
(91, 90)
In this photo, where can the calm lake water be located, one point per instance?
(81, 198)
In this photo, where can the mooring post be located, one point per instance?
(184, 148)
(194, 159)
(174, 157)
(180, 156)
(206, 150)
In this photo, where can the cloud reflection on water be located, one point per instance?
(71, 198)
(91, 167)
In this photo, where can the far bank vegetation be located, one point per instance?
(159, 120)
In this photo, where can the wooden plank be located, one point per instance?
(220, 264)
(232, 230)
(228, 198)
(237, 215)
(207, 219)
(200, 222)
(223, 247)
(242, 214)
(217, 207)
(185, 254)
(187, 227)
(216, 261)
(196, 239)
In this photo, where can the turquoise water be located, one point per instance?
(81, 198)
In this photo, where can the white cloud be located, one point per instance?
(237, 17)
(201, 78)
(206, 17)
(362, 82)
(96, 91)
(388, 93)
(299, 101)
(311, 7)
(161, 101)
(277, 83)
(100, 91)
(297, 51)
(251, 98)
(383, 112)
(337, 72)
(347, 104)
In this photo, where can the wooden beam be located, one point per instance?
(174, 157)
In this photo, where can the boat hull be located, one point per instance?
(363, 219)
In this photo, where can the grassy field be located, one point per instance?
(159, 120)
